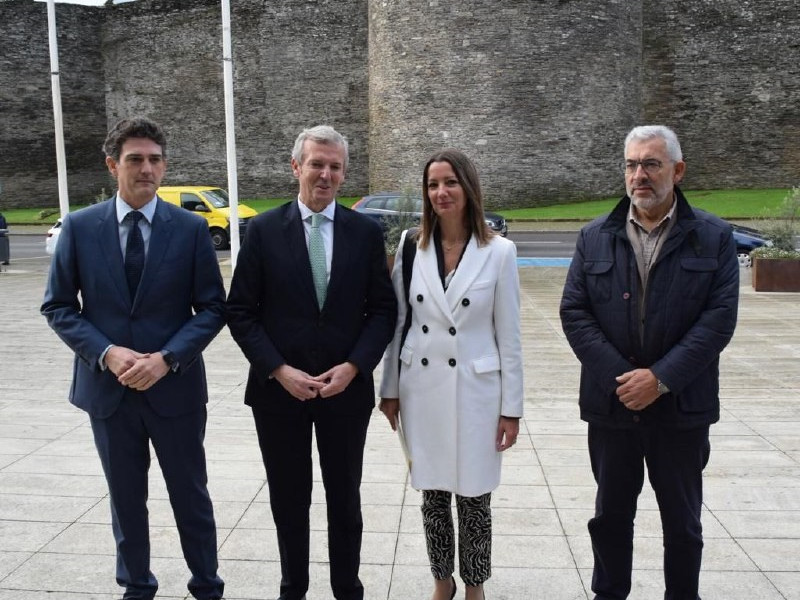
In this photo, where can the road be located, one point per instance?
(27, 251)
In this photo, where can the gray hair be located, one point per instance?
(322, 134)
(648, 132)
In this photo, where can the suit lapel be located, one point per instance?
(160, 234)
(112, 253)
(295, 234)
(341, 251)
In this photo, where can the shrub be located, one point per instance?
(782, 229)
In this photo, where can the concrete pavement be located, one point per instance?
(56, 542)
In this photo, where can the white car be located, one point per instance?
(52, 237)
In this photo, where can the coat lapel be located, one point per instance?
(298, 250)
(160, 235)
(111, 251)
(429, 269)
(341, 252)
(469, 268)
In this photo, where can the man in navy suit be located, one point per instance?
(312, 307)
(135, 291)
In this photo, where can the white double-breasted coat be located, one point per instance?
(460, 367)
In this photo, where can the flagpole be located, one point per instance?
(230, 131)
(61, 160)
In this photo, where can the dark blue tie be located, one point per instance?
(134, 252)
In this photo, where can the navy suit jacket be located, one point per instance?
(179, 305)
(274, 317)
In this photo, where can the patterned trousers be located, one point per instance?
(474, 535)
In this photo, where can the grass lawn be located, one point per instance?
(729, 204)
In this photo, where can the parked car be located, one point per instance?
(747, 239)
(385, 206)
(52, 237)
(211, 203)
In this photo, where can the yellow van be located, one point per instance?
(211, 203)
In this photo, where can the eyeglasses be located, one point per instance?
(650, 165)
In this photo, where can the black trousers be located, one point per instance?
(675, 461)
(285, 442)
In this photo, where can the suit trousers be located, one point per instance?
(675, 460)
(285, 442)
(122, 442)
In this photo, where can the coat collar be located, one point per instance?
(470, 267)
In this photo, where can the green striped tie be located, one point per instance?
(316, 252)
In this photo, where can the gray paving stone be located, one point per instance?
(54, 514)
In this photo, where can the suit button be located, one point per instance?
(626, 296)
(452, 362)
(419, 298)
(424, 329)
(636, 418)
(452, 330)
(465, 302)
(424, 362)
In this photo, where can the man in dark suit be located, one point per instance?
(135, 291)
(312, 307)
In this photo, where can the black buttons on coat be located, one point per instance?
(424, 362)
(465, 302)
(420, 298)
(424, 329)
(452, 330)
(452, 362)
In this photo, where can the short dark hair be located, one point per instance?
(136, 127)
(467, 176)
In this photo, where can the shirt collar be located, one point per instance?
(306, 212)
(633, 218)
(123, 208)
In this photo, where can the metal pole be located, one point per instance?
(230, 132)
(61, 160)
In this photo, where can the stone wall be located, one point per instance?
(540, 93)
(27, 132)
(537, 93)
(295, 65)
(726, 75)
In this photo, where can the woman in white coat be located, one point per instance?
(455, 381)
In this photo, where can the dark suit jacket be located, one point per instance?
(179, 305)
(274, 317)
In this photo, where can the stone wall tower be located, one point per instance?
(539, 94)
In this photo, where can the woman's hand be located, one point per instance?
(391, 408)
(507, 432)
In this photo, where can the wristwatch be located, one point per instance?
(169, 358)
(662, 388)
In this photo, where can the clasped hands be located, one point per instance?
(303, 386)
(134, 369)
(638, 389)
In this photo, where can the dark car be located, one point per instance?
(388, 206)
(747, 240)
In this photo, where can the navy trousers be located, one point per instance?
(123, 443)
(285, 442)
(675, 461)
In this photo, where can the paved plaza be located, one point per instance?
(55, 534)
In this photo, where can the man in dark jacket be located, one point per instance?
(649, 304)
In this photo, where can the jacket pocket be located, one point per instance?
(698, 274)
(406, 354)
(486, 364)
(598, 275)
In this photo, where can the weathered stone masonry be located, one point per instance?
(540, 93)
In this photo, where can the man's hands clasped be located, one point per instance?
(303, 386)
(136, 370)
